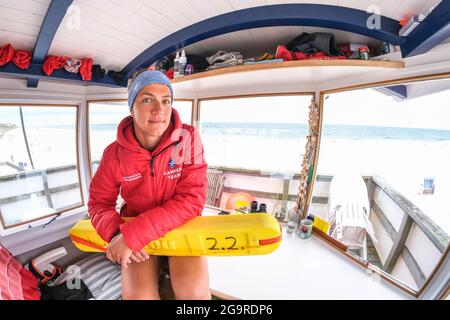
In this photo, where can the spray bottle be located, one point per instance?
(183, 62)
(176, 66)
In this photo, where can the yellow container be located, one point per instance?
(321, 224)
(225, 235)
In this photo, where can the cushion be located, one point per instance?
(100, 275)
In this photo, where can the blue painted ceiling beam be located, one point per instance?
(52, 20)
(327, 16)
(434, 29)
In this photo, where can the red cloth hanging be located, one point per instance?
(53, 63)
(22, 59)
(6, 54)
(86, 69)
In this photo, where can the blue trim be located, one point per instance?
(429, 33)
(32, 82)
(327, 16)
(35, 72)
(52, 20)
(398, 91)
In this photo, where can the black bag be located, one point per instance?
(62, 292)
(313, 42)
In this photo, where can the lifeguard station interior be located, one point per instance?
(330, 117)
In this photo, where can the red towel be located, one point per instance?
(16, 282)
(86, 69)
(6, 54)
(53, 63)
(22, 59)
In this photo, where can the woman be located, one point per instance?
(158, 166)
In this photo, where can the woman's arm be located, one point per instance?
(187, 202)
(103, 192)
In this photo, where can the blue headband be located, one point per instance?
(144, 79)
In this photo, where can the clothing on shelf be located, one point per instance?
(287, 55)
(72, 65)
(98, 71)
(86, 69)
(22, 59)
(117, 76)
(262, 61)
(6, 54)
(53, 63)
(223, 59)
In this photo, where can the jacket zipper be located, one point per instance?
(152, 168)
(153, 158)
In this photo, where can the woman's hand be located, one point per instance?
(118, 251)
(139, 256)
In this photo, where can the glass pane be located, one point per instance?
(184, 109)
(255, 145)
(263, 133)
(38, 165)
(383, 179)
(104, 118)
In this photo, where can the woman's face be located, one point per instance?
(152, 109)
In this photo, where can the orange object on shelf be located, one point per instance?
(233, 200)
(403, 21)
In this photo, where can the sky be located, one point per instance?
(372, 108)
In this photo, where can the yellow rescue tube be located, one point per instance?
(222, 235)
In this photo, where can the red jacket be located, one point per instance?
(163, 188)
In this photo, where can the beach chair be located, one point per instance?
(216, 180)
(428, 186)
(348, 212)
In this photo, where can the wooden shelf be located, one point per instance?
(292, 64)
(287, 77)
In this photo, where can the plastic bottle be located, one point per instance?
(364, 53)
(254, 207)
(262, 208)
(292, 224)
(176, 66)
(183, 62)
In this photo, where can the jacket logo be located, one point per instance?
(173, 174)
(171, 164)
(132, 177)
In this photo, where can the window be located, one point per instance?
(257, 145)
(184, 108)
(105, 116)
(38, 163)
(260, 133)
(383, 176)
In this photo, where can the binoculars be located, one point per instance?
(254, 207)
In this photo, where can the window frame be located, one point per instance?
(60, 213)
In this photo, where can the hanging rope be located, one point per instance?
(308, 158)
